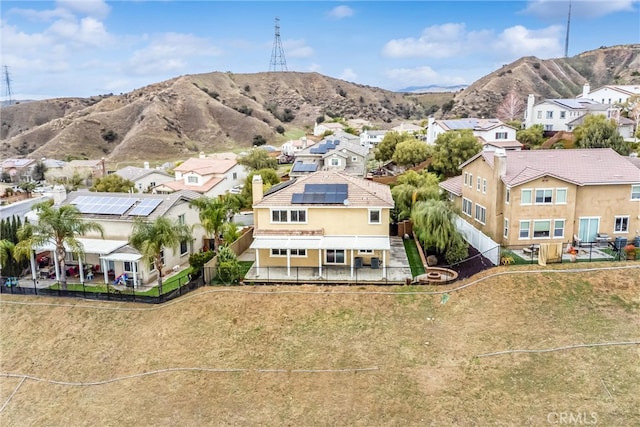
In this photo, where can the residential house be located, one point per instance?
(331, 154)
(371, 138)
(87, 170)
(408, 128)
(488, 131)
(319, 129)
(294, 146)
(54, 169)
(519, 198)
(557, 114)
(325, 219)
(207, 176)
(18, 170)
(625, 125)
(108, 257)
(358, 124)
(144, 179)
(610, 94)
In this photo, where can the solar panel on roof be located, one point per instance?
(103, 205)
(322, 194)
(145, 207)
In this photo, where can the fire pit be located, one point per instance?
(437, 276)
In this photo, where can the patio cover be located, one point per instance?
(325, 242)
(122, 257)
(91, 246)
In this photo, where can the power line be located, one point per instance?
(278, 61)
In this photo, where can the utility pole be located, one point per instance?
(7, 80)
(566, 42)
(278, 61)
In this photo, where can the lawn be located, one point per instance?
(415, 262)
(331, 355)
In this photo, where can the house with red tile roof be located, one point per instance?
(208, 176)
(549, 196)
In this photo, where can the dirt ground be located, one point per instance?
(314, 355)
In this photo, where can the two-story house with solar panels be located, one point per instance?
(331, 154)
(309, 225)
(111, 256)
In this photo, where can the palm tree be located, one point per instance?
(7, 250)
(60, 226)
(151, 237)
(214, 212)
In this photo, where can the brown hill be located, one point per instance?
(550, 78)
(188, 114)
(217, 111)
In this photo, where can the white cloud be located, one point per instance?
(553, 9)
(437, 41)
(340, 12)
(169, 53)
(87, 32)
(348, 74)
(94, 8)
(314, 67)
(297, 49)
(421, 76)
(519, 41)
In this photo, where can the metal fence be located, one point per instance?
(585, 252)
(110, 293)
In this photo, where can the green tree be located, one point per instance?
(58, 225)
(228, 268)
(230, 232)
(410, 152)
(258, 140)
(269, 178)
(258, 159)
(599, 132)
(531, 137)
(385, 149)
(27, 187)
(412, 187)
(214, 213)
(150, 238)
(434, 224)
(8, 264)
(38, 171)
(113, 183)
(453, 148)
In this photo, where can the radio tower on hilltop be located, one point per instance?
(566, 41)
(7, 82)
(278, 62)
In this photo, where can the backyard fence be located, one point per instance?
(479, 240)
(585, 252)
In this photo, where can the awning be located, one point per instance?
(91, 246)
(122, 257)
(324, 242)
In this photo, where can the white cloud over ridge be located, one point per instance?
(420, 76)
(297, 49)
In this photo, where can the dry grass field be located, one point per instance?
(302, 355)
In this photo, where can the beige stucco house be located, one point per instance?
(326, 219)
(331, 154)
(520, 198)
(144, 179)
(108, 257)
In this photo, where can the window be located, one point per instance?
(481, 214)
(374, 216)
(544, 196)
(561, 196)
(466, 176)
(335, 256)
(501, 135)
(478, 185)
(563, 114)
(470, 180)
(621, 224)
(127, 266)
(466, 206)
(181, 219)
(635, 192)
(183, 248)
(548, 127)
(235, 176)
(293, 252)
(549, 115)
(192, 179)
(526, 197)
(484, 186)
(152, 184)
(365, 251)
(558, 228)
(506, 228)
(539, 114)
(354, 159)
(524, 229)
(299, 216)
(541, 228)
(507, 196)
(278, 216)
(335, 161)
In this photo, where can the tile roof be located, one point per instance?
(571, 103)
(206, 166)
(181, 185)
(133, 173)
(471, 123)
(15, 163)
(453, 185)
(591, 166)
(360, 192)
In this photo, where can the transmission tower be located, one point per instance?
(278, 62)
(7, 82)
(566, 41)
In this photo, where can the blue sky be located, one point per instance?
(91, 47)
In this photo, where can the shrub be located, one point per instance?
(109, 136)
(280, 129)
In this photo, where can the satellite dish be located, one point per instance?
(345, 202)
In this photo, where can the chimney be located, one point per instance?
(257, 188)
(201, 155)
(499, 170)
(59, 195)
(500, 162)
(528, 119)
(304, 142)
(586, 88)
(146, 165)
